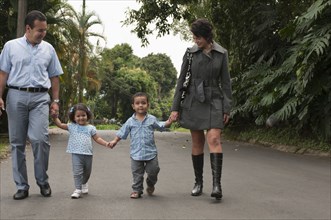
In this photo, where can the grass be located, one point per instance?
(4, 146)
(278, 136)
(108, 127)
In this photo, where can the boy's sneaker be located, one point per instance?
(85, 188)
(150, 190)
(76, 194)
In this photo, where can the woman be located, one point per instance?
(207, 102)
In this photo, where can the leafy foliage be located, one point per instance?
(161, 69)
(126, 74)
(279, 55)
(296, 91)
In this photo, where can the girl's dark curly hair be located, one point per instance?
(203, 28)
(82, 107)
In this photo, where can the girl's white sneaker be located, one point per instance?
(76, 194)
(85, 188)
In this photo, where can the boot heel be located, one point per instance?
(216, 193)
(197, 189)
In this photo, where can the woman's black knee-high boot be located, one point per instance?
(198, 170)
(216, 160)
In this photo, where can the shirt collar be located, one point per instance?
(25, 39)
(215, 47)
(134, 116)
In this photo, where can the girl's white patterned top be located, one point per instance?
(80, 139)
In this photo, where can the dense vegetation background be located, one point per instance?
(279, 53)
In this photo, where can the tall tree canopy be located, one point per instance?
(279, 54)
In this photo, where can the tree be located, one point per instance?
(78, 27)
(112, 60)
(130, 82)
(9, 28)
(22, 11)
(279, 53)
(5, 34)
(161, 69)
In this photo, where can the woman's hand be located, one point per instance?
(174, 115)
(226, 118)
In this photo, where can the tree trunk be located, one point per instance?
(22, 11)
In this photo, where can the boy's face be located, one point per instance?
(140, 104)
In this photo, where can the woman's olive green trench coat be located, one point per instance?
(209, 93)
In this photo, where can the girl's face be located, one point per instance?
(201, 42)
(140, 105)
(80, 117)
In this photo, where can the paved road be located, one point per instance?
(258, 183)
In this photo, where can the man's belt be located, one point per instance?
(29, 89)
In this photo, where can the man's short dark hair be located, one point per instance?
(32, 16)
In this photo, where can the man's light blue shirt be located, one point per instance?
(29, 66)
(142, 145)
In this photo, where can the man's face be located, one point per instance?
(36, 34)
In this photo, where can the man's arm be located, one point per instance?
(55, 83)
(3, 82)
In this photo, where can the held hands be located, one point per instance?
(54, 110)
(108, 144)
(174, 116)
(111, 144)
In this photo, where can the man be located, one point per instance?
(29, 67)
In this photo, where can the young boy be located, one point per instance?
(143, 150)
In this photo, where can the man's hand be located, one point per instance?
(54, 110)
(2, 106)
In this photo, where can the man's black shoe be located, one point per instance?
(21, 194)
(45, 190)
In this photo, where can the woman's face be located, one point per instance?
(201, 42)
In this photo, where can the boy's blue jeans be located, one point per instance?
(138, 170)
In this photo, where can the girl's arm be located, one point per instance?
(100, 141)
(59, 124)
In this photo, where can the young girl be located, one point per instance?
(80, 145)
(143, 150)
